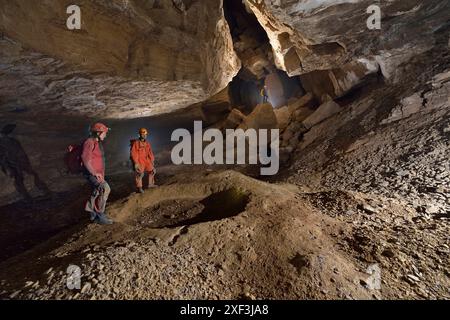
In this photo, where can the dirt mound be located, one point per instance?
(264, 241)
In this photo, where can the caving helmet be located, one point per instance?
(99, 127)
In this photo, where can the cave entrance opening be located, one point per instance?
(252, 45)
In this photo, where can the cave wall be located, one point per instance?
(307, 36)
(218, 56)
(163, 40)
(329, 44)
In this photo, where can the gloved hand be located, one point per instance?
(137, 168)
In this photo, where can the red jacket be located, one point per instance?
(93, 157)
(142, 154)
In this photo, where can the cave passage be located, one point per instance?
(253, 48)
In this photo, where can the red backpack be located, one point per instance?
(72, 159)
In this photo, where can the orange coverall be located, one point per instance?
(142, 154)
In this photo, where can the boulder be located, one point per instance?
(324, 112)
(292, 133)
(408, 107)
(294, 141)
(302, 113)
(255, 61)
(216, 107)
(262, 117)
(287, 135)
(310, 136)
(305, 101)
(441, 78)
(283, 117)
(233, 120)
(330, 84)
(325, 98)
(295, 127)
(285, 154)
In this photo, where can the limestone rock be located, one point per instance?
(338, 81)
(323, 35)
(408, 107)
(262, 117)
(133, 39)
(439, 79)
(285, 154)
(439, 97)
(234, 119)
(302, 113)
(287, 135)
(306, 101)
(283, 117)
(324, 112)
(215, 108)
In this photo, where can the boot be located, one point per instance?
(103, 219)
(93, 216)
(140, 190)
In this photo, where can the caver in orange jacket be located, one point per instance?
(142, 154)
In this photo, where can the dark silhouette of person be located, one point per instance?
(15, 162)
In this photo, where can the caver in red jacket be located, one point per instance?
(142, 154)
(93, 157)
